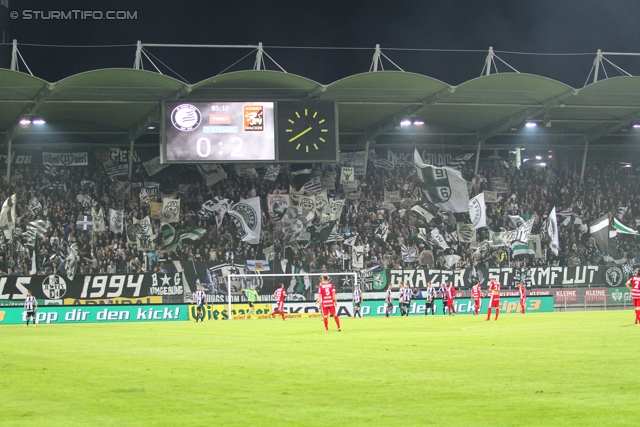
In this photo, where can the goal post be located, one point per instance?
(313, 278)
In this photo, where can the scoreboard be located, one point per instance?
(257, 131)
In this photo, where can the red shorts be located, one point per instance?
(636, 303)
(495, 302)
(280, 306)
(330, 309)
(523, 301)
(449, 301)
(477, 301)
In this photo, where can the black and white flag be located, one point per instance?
(51, 170)
(357, 257)
(98, 219)
(347, 174)
(478, 211)
(115, 169)
(409, 254)
(215, 208)
(34, 206)
(116, 220)
(552, 232)
(426, 211)
(153, 166)
(212, 174)
(173, 207)
(272, 173)
(247, 217)
(439, 239)
(459, 161)
(84, 222)
(445, 187)
(39, 227)
(144, 197)
(351, 240)
(313, 186)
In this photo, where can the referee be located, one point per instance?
(30, 306)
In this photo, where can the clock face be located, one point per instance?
(307, 131)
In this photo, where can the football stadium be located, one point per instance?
(260, 248)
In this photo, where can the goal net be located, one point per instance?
(301, 288)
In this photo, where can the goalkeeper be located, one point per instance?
(252, 296)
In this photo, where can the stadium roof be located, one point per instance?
(114, 106)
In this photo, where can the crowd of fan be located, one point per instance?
(533, 191)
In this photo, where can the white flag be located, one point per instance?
(357, 257)
(116, 220)
(478, 211)
(439, 238)
(552, 231)
(153, 166)
(272, 173)
(212, 174)
(347, 175)
(98, 219)
(445, 187)
(247, 216)
(173, 207)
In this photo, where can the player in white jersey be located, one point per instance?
(405, 299)
(199, 298)
(429, 297)
(357, 301)
(388, 300)
(30, 306)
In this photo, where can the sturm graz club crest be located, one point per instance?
(186, 117)
(248, 214)
(54, 286)
(613, 276)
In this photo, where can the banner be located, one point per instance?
(498, 184)
(357, 257)
(116, 220)
(392, 196)
(153, 166)
(490, 196)
(354, 159)
(350, 186)
(96, 313)
(65, 159)
(347, 175)
(328, 183)
(505, 238)
(212, 174)
(537, 304)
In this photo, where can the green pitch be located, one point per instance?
(538, 369)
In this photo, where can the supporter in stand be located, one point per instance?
(529, 192)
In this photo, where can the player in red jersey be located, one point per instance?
(634, 286)
(476, 294)
(523, 295)
(494, 288)
(451, 296)
(280, 295)
(328, 300)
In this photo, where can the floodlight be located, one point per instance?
(538, 157)
(531, 124)
(543, 164)
(636, 125)
(25, 122)
(405, 123)
(418, 122)
(38, 121)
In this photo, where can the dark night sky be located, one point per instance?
(519, 25)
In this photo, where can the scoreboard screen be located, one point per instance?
(218, 132)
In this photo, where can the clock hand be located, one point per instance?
(300, 134)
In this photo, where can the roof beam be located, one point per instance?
(154, 115)
(30, 109)
(606, 129)
(508, 122)
(388, 124)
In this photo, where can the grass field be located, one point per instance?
(539, 369)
